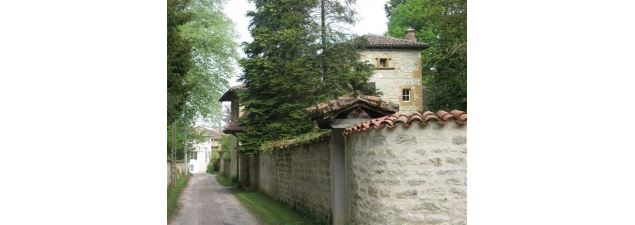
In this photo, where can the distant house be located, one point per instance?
(200, 156)
(397, 69)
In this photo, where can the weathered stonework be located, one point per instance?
(299, 176)
(404, 71)
(414, 175)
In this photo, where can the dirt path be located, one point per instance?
(205, 202)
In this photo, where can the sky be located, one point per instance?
(371, 18)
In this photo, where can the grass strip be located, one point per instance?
(272, 212)
(269, 211)
(174, 194)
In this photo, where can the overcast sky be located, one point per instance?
(371, 19)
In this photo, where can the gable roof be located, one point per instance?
(380, 42)
(441, 117)
(233, 127)
(355, 104)
(231, 93)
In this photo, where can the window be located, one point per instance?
(191, 167)
(406, 95)
(194, 154)
(383, 62)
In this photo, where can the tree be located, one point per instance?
(443, 25)
(297, 58)
(179, 59)
(342, 70)
(202, 50)
(390, 5)
(214, 53)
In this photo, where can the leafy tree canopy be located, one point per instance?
(179, 59)
(201, 55)
(443, 25)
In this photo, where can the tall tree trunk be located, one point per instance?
(323, 30)
(187, 164)
(173, 161)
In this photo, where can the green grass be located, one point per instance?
(267, 210)
(272, 212)
(174, 193)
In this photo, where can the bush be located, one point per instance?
(214, 163)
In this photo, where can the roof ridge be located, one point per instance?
(407, 120)
(388, 37)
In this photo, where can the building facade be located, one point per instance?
(397, 69)
(199, 157)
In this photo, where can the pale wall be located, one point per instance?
(299, 176)
(408, 175)
(181, 169)
(203, 154)
(225, 166)
(406, 74)
(233, 167)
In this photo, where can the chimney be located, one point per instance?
(410, 35)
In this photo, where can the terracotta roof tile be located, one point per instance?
(332, 107)
(378, 41)
(391, 121)
(233, 127)
(231, 93)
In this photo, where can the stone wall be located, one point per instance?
(225, 167)
(243, 170)
(233, 165)
(181, 169)
(298, 176)
(404, 71)
(413, 175)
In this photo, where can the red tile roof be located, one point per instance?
(233, 127)
(378, 41)
(391, 121)
(333, 107)
(231, 93)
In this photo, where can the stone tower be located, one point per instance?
(397, 69)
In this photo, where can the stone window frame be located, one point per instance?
(388, 63)
(404, 95)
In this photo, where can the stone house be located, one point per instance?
(397, 69)
(384, 161)
(397, 76)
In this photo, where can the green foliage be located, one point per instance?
(227, 145)
(294, 61)
(179, 59)
(214, 53)
(227, 181)
(272, 212)
(214, 164)
(174, 193)
(443, 25)
(286, 143)
(180, 139)
(201, 55)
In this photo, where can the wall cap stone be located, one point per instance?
(441, 117)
